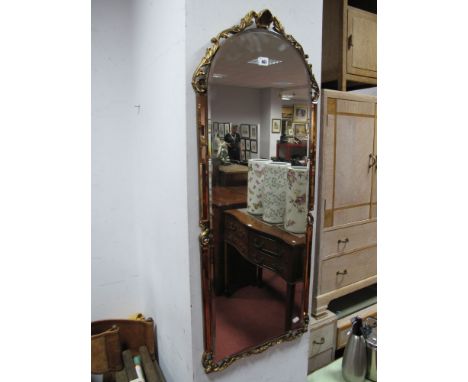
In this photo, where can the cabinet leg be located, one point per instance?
(290, 292)
(259, 277)
(227, 289)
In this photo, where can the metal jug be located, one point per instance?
(354, 364)
(371, 345)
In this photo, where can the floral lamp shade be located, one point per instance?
(295, 216)
(255, 185)
(274, 192)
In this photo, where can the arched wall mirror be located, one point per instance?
(256, 123)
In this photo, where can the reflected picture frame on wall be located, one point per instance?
(243, 155)
(300, 130)
(247, 145)
(242, 144)
(227, 128)
(215, 128)
(300, 113)
(276, 126)
(253, 131)
(244, 131)
(221, 130)
(287, 112)
(253, 146)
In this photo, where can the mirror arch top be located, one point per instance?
(263, 20)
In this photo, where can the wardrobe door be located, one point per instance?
(362, 43)
(374, 176)
(348, 141)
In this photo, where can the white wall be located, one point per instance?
(271, 108)
(204, 19)
(234, 104)
(140, 255)
(369, 91)
(116, 276)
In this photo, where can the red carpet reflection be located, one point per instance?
(252, 315)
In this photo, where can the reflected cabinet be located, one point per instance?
(255, 205)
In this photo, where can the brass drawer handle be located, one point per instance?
(345, 272)
(322, 341)
(346, 240)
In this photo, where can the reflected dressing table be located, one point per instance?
(233, 175)
(223, 198)
(266, 246)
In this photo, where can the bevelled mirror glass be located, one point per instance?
(256, 113)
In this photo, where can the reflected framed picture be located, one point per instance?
(221, 130)
(300, 130)
(287, 112)
(248, 155)
(286, 126)
(214, 144)
(243, 155)
(244, 131)
(253, 131)
(247, 145)
(300, 113)
(227, 128)
(253, 146)
(276, 125)
(242, 144)
(215, 128)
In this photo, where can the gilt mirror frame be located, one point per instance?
(264, 20)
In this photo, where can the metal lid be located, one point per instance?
(371, 339)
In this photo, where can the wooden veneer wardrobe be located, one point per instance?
(346, 246)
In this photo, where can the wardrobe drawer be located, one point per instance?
(322, 339)
(339, 271)
(348, 238)
(320, 360)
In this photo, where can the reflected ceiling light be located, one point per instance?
(287, 97)
(264, 61)
(283, 83)
(218, 75)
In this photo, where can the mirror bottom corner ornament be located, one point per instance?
(211, 366)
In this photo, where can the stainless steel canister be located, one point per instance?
(371, 349)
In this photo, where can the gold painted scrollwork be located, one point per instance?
(263, 19)
(205, 236)
(210, 366)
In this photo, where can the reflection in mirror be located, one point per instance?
(258, 135)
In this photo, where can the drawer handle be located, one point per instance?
(257, 243)
(343, 241)
(372, 161)
(321, 342)
(345, 272)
